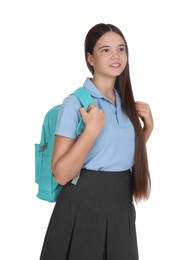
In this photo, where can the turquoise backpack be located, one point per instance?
(48, 188)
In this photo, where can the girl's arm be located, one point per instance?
(145, 115)
(69, 154)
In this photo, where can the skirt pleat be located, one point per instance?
(93, 220)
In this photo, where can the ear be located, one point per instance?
(90, 59)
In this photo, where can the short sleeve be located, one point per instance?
(68, 117)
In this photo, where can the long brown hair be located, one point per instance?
(142, 181)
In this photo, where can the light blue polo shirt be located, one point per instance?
(114, 148)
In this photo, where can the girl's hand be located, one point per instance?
(145, 115)
(94, 119)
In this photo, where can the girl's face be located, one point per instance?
(109, 56)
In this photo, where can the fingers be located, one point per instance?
(94, 118)
(91, 106)
(83, 110)
(144, 112)
(143, 109)
(91, 110)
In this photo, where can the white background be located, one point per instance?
(42, 60)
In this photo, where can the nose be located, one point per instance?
(114, 55)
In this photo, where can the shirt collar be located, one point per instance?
(95, 92)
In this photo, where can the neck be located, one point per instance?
(106, 87)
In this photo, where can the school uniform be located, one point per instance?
(94, 216)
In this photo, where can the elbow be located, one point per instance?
(58, 175)
(60, 179)
(63, 175)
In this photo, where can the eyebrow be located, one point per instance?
(107, 46)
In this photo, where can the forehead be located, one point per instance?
(109, 39)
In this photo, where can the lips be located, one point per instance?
(115, 65)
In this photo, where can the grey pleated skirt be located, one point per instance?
(93, 220)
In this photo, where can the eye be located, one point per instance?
(105, 50)
(121, 49)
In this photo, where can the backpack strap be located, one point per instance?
(86, 99)
(84, 96)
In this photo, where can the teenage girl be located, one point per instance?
(94, 217)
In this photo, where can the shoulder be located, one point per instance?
(71, 100)
(68, 117)
(70, 103)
